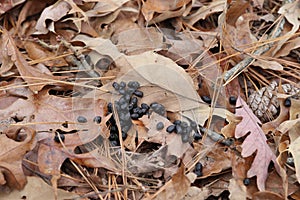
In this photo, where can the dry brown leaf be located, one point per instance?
(204, 11)
(12, 153)
(256, 141)
(58, 111)
(268, 64)
(238, 36)
(215, 161)
(229, 130)
(51, 154)
(152, 6)
(139, 40)
(36, 52)
(177, 188)
(27, 72)
(37, 189)
(7, 5)
(290, 12)
(184, 49)
(51, 14)
(237, 191)
(266, 195)
(294, 148)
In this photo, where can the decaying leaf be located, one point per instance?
(33, 76)
(256, 141)
(37, 189)
(12, 153)
(177, 187)
(294, 148)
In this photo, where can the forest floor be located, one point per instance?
(150, 99)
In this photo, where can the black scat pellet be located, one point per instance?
(198, 169)
(136, 110)
(178, 129)
(56, 138)
(124, 106)
(206, 99)
(193, 125)
(109, 107)
(140, 112)
(124, 135)
(133, 84)
(184, 125)
(114, 129)
(287, 102)
(65, 124)
(144, 111)
(81, 119)
(197, 136)
(116, 85)
(122, 84)
(184, 138)
(177, 122)
(246, 181)
(114, 143)
(170, 128)
(130, 108)
(97, 119)
(160, 126)
(134, 100)
(122, 100)
(122, 91)
(134, 116)
(199, 85)
(232, 100)
(126, 128)
(130, 91)
(145, 106)
(127, 97)
(138, 93)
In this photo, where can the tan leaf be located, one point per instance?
(28, 72)
(177, 187)
(237, 191)
(37, 189)
(12, 153)
(254, 142)
(36, 52)
(294, 148)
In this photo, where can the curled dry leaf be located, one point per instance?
(294, 148)
(256, 141)
(12, 153)
(177, 187)
(33, 76)
(52, 13)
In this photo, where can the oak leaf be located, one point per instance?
(12, 153)
(254, 142)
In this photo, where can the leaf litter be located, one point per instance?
(148, 100)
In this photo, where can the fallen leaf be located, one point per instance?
(12, 153)
(294, 148)
(177, 187)
(37, 189)
(237, 191)
(256, 141)
(266, 195)
(36, 52)
(33, 76)
(51, 14)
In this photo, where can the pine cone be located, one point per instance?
(264, 102)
